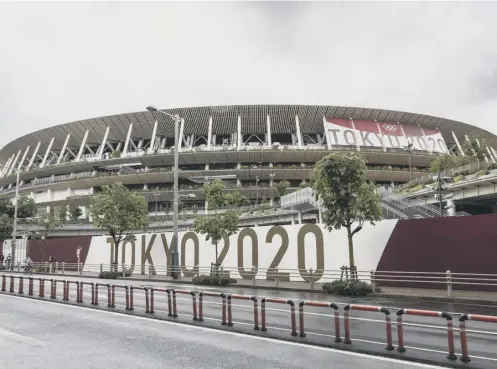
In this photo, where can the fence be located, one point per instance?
(149, 296)
(310, 279)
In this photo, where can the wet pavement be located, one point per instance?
(36, 334)
(424, 337)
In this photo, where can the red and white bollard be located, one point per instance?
(322, 304)
(293, 320)
(256, 314)
(21, 286)
(41, 287)
(11, 284)
(30, 286)
(152, 301)
(4, 283)
(388, 323)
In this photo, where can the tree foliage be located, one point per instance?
(282, 188)
(345, 195)
(475, 147)
(215, 225)
(26, 208)
(75, 211)
(118, 211)
(5, 227)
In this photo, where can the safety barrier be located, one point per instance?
(462, 331)
(201, 305)
(227, 309)
(388, 323)
(246, 298)
(293, 320)
(194, 302)
(336, 316)
(426, 313)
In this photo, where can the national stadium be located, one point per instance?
(251, 147)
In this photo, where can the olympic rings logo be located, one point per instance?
(390, 127)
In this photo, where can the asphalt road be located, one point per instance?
(424, 337)
(38, 334)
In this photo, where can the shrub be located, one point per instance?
(348, 288)
(482, 172)
(113, 275)
(458, 178)
(116, 154)
(214, 280)
(417, 188)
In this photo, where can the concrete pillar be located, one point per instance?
(300, 217)
(209, 134)
(451, 211)
(268, 131)
(239, 132)
(297, 131)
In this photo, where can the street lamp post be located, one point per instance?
(174, 253)
(14, 226)
(409, 149)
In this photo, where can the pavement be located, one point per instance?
(38, 334)
(403, 293)
(425, 338)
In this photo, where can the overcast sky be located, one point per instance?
(61, 62)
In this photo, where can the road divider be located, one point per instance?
(198, 300)
(380, 309)
(427, 313)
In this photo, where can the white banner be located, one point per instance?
(362, 133)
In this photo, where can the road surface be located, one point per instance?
(424, 337)
(37, 334)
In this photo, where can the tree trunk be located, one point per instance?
(353, 273)
(116, 257)
(217, 265)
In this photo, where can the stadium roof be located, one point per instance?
(224, 121)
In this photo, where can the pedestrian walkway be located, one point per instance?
(427, 294)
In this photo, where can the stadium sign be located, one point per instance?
(365, 133)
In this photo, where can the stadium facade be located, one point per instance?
(256, 145)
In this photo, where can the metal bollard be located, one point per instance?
(346, 326)
(53, 292)
(175, 311)
(152, 303)
(200, 307)
(147, 302)
(21, 286)
(223, 317)
(126, 295)
(41, 287)
(254, 274)
(169, 304)
(230, 313)
(30, 286)
(464, 339)
(92, 293)
(301, 319)
(11, 284)
(56, 267)
(194, 299)
(113, 290)
(63, 267)
(66, 291)
(263, 315)
(449, 283)
(311, 279)
(292, 318)
(450, 338)
(131, 306)
(256, 313)
(109, 297)
(4, 283)
(400, 332)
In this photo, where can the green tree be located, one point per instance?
(118, 211)
(475, 147)
(282, 188)
(62, 214)
(215, 225)
(346, 196)
(75, 212)
(5, 227)
(26, 208)
(443, 162)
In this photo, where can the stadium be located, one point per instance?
(251, 147)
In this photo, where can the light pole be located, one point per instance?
(14, 226)
(409, 149)
(174, 246)
(156, 204)
(257, 190)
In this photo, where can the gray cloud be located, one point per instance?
(66, 61)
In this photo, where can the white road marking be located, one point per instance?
(236, 334)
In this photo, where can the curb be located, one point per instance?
(434, 299)
(340, 347)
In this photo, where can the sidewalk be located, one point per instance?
(401, 293)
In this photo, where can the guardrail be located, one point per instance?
(310, 278)
(226, 316)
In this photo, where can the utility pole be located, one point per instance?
(440, 196)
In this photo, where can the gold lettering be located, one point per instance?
(111, 241)
(194, 271)
(167, 251)
(131, 268)
(319, 244)
(272, 271)
(146, 255)
(248, 232)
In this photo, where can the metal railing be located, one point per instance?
(447, 281)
